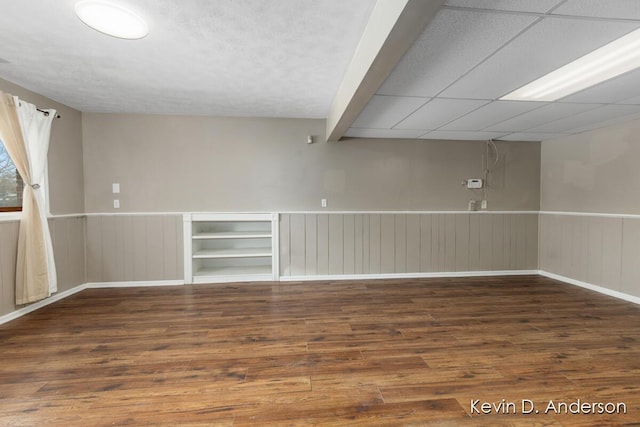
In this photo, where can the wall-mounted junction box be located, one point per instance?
(474, 183)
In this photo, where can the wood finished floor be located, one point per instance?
(378, 353)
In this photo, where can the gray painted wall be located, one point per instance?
(593, 172)
(178, 164)
(205, 164)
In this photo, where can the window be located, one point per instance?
(10, 184)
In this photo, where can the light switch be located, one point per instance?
(115, 188)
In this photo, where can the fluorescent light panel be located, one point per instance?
(112, 19)
(609, 61)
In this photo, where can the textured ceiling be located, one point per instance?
(276, 58)
(473, 52)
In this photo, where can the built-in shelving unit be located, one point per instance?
(230, 247)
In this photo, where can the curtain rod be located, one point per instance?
(46, 113)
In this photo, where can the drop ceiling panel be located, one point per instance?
(540, 116)
(540, 6)
(439, 112)
(383, 133)
(532, 136)
(544, 47)
(582, 120)
(633, 112)
(387, 111)
(619, 9)
(451, 45)
(635, 101)
(468, 136)
(611, 91)
(489, 114)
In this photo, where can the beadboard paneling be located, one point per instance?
(630, 269)
(599, 250)
(67, 235)
(311, 244)
(336, 244)
(395, 243)
(8, 252)
(323, 244)
(413, 243)
(124, 248)
(297, 243)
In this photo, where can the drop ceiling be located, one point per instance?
(473, 52)
(288, 58)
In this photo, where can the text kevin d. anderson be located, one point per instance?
(527, 406)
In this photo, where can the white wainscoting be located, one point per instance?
(602, 250)
(384, 244)
(134, 247)
(68, 236)
(595, 251)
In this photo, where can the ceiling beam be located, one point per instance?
(392, 28)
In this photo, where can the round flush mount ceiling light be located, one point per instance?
(112, 19)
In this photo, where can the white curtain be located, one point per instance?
(36, 130)
(25, 132)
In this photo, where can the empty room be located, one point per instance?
(320, 212)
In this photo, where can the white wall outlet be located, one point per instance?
(474, 183)
(115, 188)
(323, 203)
(483, 204)
(116, 204)
(472, 205)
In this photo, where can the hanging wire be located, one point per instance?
(490, 145)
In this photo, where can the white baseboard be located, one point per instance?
(408, 275)
(100, 285)
(148, 283)
(596, 288)
(59, 296)
(43, 303)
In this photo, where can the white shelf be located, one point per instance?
(230, 247)
(234, 271)
(233, 217)
(232, 253)
(234, 235)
